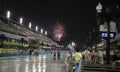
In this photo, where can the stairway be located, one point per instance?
(99, 68)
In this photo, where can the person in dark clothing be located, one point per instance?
(54, 56)
(116, 58)
(30, 52)
(58, 55)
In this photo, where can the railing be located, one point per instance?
(7, 54)
(18, 53)
(100, 68)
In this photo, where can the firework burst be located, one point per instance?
(58, 31)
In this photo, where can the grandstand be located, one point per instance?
(15, 36)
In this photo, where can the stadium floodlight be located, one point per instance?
(21, 20)
(45, 32)
(36, 28)
(30, 24)
(8, 14)
(41, 30)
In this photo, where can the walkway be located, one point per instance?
(42, 63)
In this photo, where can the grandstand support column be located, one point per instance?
(22, 40)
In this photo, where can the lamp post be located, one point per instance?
(108, 43)
(107, 19)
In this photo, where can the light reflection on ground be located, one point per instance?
(42, 63)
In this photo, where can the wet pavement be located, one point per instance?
(41, 63)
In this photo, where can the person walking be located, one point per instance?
(54, 56)
(87, 56)
(58, 55)
(75, 61)
(78, 60)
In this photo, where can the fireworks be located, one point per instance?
(58, 31)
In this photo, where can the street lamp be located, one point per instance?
(99, 8)
(107, 19)
(21, 20)
(8, 14)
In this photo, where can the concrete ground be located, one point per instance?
(41, 63)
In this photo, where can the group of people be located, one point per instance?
(74, 60)
(93, 56)
(33, 52)
(116, 58)
(56, 55)
(98, 56)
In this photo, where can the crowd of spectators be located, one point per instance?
(18, 29)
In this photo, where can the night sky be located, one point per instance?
(77, 16)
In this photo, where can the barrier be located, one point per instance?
(66, 64)
(45, 52)
(7, 54)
